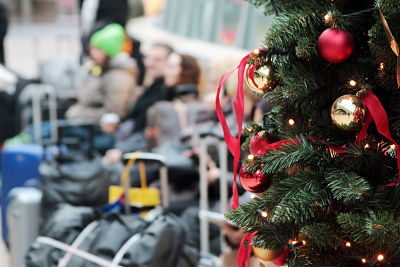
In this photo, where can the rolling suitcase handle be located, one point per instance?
(37, 91)
(205, 215)
(142, 156)
(61, 127)
(88, 126)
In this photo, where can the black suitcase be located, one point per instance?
(74, 173)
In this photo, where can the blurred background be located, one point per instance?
(217, 33)
(206, 29)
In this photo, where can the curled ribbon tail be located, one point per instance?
(363, 132)
(281, 260)
(393, 44)
(379, 117)
(245, 250)
(232, 142)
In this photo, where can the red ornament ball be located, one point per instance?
(335, 45)
(254, 182)
(258, 145)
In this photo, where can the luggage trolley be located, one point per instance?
(144, 156)
(21, 203)
(207, 216)
(37, 90)
(21, 161)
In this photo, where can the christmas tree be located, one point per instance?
(323, 166)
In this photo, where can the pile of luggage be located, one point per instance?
(59, 207)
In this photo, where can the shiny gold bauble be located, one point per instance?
(264, 254)
(348, 113)
(258, 80)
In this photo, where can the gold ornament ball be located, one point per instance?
(348, 113)
(259, 82)
(266, 254)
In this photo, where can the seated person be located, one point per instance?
(167, 120)
(109, 85)
(129, 133)
(155, 64)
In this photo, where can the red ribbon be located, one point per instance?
(279, 144)
(251, 71)
(282, 258)
(246, 248)
(376, 113)
(335, 149)
(232, 142)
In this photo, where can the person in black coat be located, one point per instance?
(7, 116)
(132, 128)
(3, 31)
(9, 109)
(115, 11)
(154, 63)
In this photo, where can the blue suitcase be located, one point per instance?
(20, 168)
(20, 163)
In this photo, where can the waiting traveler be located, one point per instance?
(109, 85)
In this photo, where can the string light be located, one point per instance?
(256, 52)
(264, 214)
(250, 157)
(348, 244)
(291, 122)
(328, 18)
(367, 146)
(304, 242)
(380, 257)
(294, 242)
(393, 146)
(381, 66)
(353, 83)
(363, 260)
(253, 196)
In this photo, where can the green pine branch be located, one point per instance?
(302, 200)
(321, 235)
(287, 27)
(378, 230)
(347, 187)
(277, 161)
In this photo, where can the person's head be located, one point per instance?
(181, 69)
(156, 59)
(106, 43)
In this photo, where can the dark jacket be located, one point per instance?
(3, 30)
(113, 11)
(151, 95)
(7, 116)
